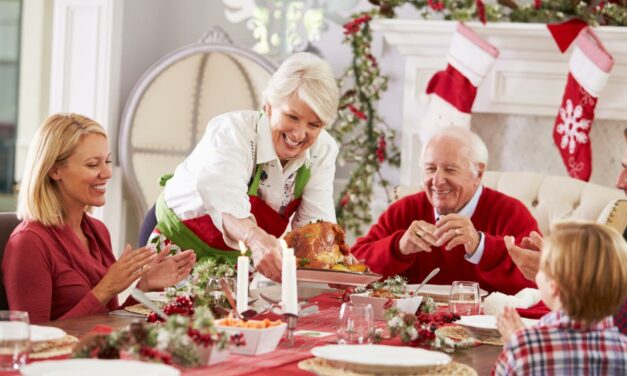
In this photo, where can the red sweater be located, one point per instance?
(496, 215)
(49, 273)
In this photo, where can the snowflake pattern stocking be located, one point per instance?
(590, 65)
(452, 91)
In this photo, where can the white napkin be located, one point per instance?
(494, 303)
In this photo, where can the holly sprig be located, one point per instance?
(366, 141)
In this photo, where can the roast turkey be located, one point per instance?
(321, 245)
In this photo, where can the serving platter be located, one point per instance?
(40, 333)
(336, 277)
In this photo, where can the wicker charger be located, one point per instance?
(322, 367)
(139, 309)
(458, 333)
(52, 348)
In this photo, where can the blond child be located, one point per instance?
(583, 280)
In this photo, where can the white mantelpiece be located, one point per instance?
(527, 79)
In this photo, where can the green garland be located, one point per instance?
(366, 141)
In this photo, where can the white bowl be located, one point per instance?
(258, 341)
(407, 305)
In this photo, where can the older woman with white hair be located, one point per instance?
(254, 171)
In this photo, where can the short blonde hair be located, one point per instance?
(588, 262)
(311, 78)
(56, 139)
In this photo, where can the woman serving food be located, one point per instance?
(253, 170)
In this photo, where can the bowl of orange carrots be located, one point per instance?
(260, 336)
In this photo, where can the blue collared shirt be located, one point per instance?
(467, 211)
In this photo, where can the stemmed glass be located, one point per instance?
(14, 340)
(464, 298)
(356, 324)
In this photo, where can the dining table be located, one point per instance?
(284, 360)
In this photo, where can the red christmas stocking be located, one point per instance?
(590, 65)
(453, 90)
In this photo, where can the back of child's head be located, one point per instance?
(588, 262)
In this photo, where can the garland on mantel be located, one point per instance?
(366, 141)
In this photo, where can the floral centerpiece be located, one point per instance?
(183, 340)
(197, 292)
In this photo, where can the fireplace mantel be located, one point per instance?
(527, 79)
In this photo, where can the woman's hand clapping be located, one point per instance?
(167, 270)
(130, 266)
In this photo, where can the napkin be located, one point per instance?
(494, 303)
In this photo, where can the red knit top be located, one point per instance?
(49, 273)
(496, 215)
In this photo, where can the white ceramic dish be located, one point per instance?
(40, 333)
(157, 296)
(484, 326)
(439, 293)
(97, 367)
(381, 358)
(336, 277)
(258, 341)
(407, 305)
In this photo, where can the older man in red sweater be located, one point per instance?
(455, 224)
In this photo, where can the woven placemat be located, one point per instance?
(55, 347)
(458, 333)
(322, 367)
(138, 308)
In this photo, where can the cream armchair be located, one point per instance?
(551, 198)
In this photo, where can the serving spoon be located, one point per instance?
(245, 315)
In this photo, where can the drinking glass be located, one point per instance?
(356, 324)
(14, 340)
(215, 290)
(464, 298)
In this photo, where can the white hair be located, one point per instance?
(311, 78)
(474, 147)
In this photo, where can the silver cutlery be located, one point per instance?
(427, 279)
(145, 300)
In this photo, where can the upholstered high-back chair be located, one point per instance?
(8, 222)
(167, 111)
(551, 198)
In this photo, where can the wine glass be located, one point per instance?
(14, 340)
(464, 298)
(356, 324)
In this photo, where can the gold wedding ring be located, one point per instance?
(419, 233)
(457, 232)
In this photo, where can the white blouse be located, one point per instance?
(214, 178)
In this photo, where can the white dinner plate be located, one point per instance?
(381, 358)
(439, 293)
(484, 326)
(336, 276)
(97, 367)
(40, 333)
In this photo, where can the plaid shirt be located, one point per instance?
(557, 345)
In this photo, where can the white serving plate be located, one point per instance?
(407, 305)
(258, 341)
(97, 367)
(336, 277)
(381, 358)
(439, 293)
(40, 333)
(484, 326)
(157, 296)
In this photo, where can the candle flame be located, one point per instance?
(242, 247)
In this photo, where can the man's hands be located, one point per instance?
(266, 252)
(527, 256)
(451, 230)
